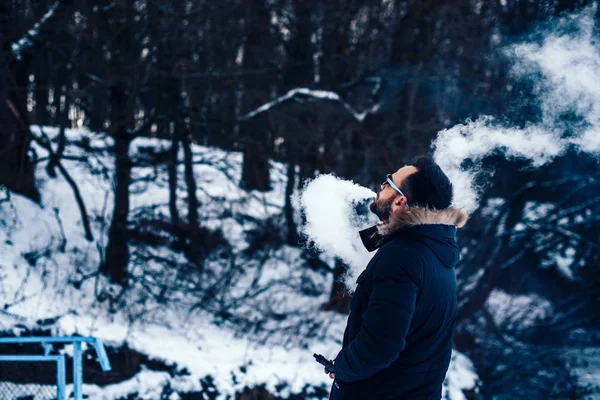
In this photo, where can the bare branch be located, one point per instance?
(45, 142)
(318, 94)
(27, 40)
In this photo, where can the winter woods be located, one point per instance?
(178, 132)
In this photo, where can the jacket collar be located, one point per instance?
(377, 235)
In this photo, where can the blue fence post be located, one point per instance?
(77, 371)
(47, 349)
(101, 353)
(61, 378)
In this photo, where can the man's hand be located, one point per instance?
(332, 374)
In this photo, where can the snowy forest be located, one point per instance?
(153, 154)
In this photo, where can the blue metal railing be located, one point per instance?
(60, 359)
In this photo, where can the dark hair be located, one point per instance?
(429, 186)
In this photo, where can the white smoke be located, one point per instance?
(565, 70)
(332, 222)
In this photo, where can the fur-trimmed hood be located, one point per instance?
(449, 219)
(422, 216)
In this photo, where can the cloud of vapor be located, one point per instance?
(564, 67)
(332, 208)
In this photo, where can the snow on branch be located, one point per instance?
(26, 41)
(318, 94)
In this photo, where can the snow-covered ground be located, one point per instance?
(44, 251)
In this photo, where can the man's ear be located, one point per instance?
(400, 201)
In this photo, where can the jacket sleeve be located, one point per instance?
(385, 323)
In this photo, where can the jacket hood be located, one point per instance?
(422, 216)
(435, 228)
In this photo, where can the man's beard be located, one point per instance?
(382, 208)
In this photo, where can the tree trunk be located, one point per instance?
(190, 181)
(16, 168)
(255, 168)
(64, 118)
(172, 172)
(117, 250)
(292, 229)
(195, 251)
(299, 72)
(122, 74)
(257, 145)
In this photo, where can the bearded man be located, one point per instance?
(398, 339)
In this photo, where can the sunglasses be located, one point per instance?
(388, 181)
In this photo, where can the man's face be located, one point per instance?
(388, 200)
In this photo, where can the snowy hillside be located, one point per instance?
(49, 273)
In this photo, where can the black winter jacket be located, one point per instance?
(398, 339)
